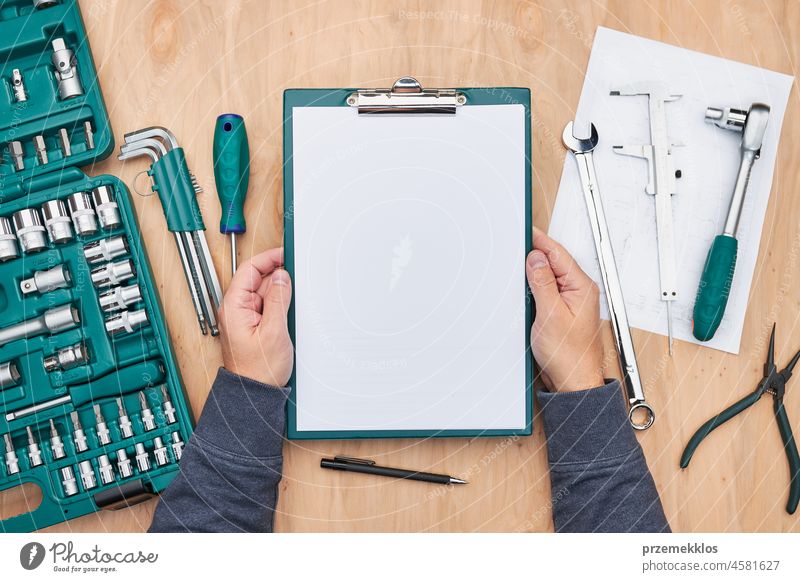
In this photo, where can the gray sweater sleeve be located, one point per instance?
(231, 467)
(599, 476)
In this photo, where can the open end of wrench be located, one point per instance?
(641, 416)
(579, 145)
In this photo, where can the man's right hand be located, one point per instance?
(565, 337)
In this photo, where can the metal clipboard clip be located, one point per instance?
(407, 96)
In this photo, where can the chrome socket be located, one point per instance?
(106, 207)
(30, 230)
(8, 241)
(120, 298)
(177, 446)
(124, 464)
(148, 420)
(56, 444)
(101, 428)
(18, 86)
(167, 407)
(160, 452)
(78, 436)
(67, 358)
(66, 70)
(88, 478)
(68, 481)
(12, 461)
(113, 273)
(106, 470)
(17, 155)
(106, 249)
(126, 321)
(34, 452)
(46, 281)
(39, 4)
(125, 426)
(57, 221)
(9, 375)
(142, 458)
(82, 213)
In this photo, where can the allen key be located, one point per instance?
(198, 266)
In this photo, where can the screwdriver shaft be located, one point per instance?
(233, 254)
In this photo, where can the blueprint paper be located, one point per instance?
(708, 159)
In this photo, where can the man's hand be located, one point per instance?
(255, 338)
(565, 336)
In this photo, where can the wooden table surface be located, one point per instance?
(180, 64)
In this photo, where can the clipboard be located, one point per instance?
(403, 105)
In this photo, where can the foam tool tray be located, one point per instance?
(92, 408)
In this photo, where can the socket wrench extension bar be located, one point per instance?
(108, 386)
(177, 189)
(53, 320)
(582, 148)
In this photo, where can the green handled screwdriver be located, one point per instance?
(232, 175)
(717, 277)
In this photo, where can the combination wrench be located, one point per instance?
(582, 148)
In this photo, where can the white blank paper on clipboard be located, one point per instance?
(409, 241)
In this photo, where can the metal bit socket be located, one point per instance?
(66, 73)
(142, 458)
(101, 428)
(46, 281)
(106, 470)
(125, 426)
(40, 4)
(106, 207)
(40, 147)
(177, 446)
(12, 461)
(148, 420)
(113, 273)
(160, 452)
(57, 221)
(17, 153)
(124, 464)
(68, 481)
(8, 241)
(168, 408)
(119, 298)
(34, 452)
(89, 134)
(18, 86)
(106, 249)
(88, 478)
(30, 230)
(82, 213)
(78, 436)
(126, 321)
(9, 375)
(63, 140)
(56, 444)
(67, 358)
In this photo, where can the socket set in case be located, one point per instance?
(92, 408)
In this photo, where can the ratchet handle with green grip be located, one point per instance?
(715, 287)
(231, 171)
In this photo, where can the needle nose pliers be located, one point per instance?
(773, 382)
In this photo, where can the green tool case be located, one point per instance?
(92, 408)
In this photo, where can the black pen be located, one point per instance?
(369, 467)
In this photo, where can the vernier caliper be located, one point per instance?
(660, 184)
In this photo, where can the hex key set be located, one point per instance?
(92, 408)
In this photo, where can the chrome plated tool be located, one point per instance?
(660, 184)
(178, 188)
(582, 148)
